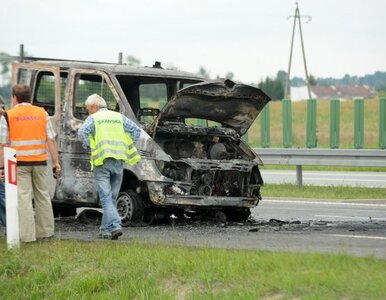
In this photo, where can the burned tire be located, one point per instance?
(238, 214)
(130, 207)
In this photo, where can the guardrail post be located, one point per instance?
(287, 123)
(311, 138)
(299, 176)
(201, 122)
(265, 132)
(358, 122)
(382, 123)
(334, 123)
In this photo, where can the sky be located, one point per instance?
(250, 38)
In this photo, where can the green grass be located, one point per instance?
(323, 192)
(63, 269)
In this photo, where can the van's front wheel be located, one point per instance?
(237, 214)
(130, 207)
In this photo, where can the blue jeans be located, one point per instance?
(2, 203)
(108, 179)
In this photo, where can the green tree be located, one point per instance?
(297, 81)
(5, 82)
(229, 75)
(282, 77)
(133, 61)
(273, 88)
(5, 61)
(203, 72)
(312, 80)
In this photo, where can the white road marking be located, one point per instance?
(359, 236)
(348, 217)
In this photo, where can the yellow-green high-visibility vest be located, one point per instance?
(111, 140)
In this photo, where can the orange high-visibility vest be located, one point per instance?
(27, 132)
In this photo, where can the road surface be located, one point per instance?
(357, 229)
(359, 211)
(327, 178)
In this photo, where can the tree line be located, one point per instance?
(274, 87)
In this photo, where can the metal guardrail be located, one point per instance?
(321, 157)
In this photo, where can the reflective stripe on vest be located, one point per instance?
(27, 143)
(105, 152)
(111, 140)
(124, 150)
(29, 152)
(28, 132)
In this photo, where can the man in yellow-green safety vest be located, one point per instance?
(111, 137)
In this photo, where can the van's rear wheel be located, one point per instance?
(130, 207)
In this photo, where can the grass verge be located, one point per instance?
(323, 192)
(63, 269)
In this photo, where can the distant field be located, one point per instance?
(299, 116)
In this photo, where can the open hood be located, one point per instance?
(232, 104)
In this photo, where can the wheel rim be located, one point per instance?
(125, 206)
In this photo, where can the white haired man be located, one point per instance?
(111, 137)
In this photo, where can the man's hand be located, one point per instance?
(56, 168)
(2, 173)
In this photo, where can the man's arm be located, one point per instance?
(84, 132)
(53, 149)
(2, 176)
(3, 143)
(132, 128)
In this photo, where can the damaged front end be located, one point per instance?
(210, 166)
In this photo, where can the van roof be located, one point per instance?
(122, 69)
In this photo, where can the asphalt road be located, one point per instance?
(327, 178)
(357, 229)
(359, 211)
(352, 228)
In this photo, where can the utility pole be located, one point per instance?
(297, 17)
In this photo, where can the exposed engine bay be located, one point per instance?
(208, 161)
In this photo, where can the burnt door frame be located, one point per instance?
(31, 81)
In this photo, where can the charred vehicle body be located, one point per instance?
(193, 157)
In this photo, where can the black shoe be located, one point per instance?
(116, 233)
(104, 235)
(46, 238)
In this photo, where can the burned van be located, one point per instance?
(193, 157)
